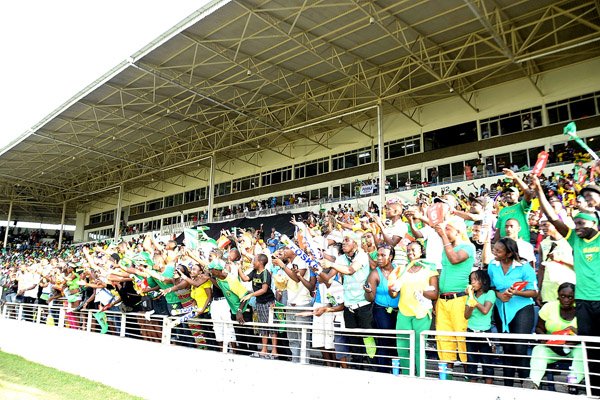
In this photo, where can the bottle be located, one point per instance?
(396, 366)
(571, 381)
(443, 370)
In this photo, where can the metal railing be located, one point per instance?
(303, 339)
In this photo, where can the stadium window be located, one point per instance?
(323, 167)
(154, 205)
(533, 154)
(402, 178)
(573, 108)
(520, 159)
(246, 183)
(593, 142)
(299, 172)
(96, 218)
(444, 172)
(450, 136)
(223, 188)
(502, 161)
(415, 176)
(108, 216)
(337, 163)
(516, 121)
(458, 169)
(393, 181)
(137, 209)
(190, 196)
(584, 107)
(403, 147)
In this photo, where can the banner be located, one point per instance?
(366, 189)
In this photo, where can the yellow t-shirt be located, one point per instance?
(199, 294)
(411, 283)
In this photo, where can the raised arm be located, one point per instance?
(561, 227)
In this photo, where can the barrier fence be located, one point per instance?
(295, 335)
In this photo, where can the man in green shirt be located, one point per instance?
(516, 209)
(234, 291)
(585, 241)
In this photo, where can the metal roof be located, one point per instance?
(239, 77)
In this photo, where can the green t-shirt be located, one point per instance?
(455, 277)
(550, 313)
(167, 273)
(586, 261)
(233, 291)
(519, 212)
(479, 321)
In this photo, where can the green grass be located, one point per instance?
(25, 380)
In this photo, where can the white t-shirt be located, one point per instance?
(334, 295)
(297, 293)
(435, 246)
(400, 229)
(27, 280)
(526, 251)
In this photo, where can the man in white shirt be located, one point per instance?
(512, 228)
(300, 286)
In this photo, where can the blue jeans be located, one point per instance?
(386, 346)
(294, 334)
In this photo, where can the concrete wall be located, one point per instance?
(157, 371)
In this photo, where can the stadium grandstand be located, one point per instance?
(336, 113)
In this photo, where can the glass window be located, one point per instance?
(502, 161)
(364, 157)
(583, 108)
(299, 172)
(336, 192)
(558, 113)
(311, 169)
(450, 136)
(393, 180)
(337, 163)
(350, 160)
(415, 176)
(533, 154)
(323, 167)
(593, 142)
(345, 190)
(520, 158)
(458, 170)
(402, 178)
(154, 205)
(444, 172)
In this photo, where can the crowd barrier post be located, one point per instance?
(411, 354)
(123, 324)
(88, 325)
(586, 369)
(166, 331)
(304, 346)
(61, 318)
(422, 351)
(20, 312)
(38, 318)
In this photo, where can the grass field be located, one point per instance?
(24, 380)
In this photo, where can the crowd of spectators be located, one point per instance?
(481, 259)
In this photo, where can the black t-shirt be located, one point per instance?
(258, 279)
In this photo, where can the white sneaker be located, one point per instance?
(147, 314)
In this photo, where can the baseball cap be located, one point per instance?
(590, 188)
(217, 265)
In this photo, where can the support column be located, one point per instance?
(380, 157)
(8, 225)
(211, 188)
(62, 224)
(118, 213)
